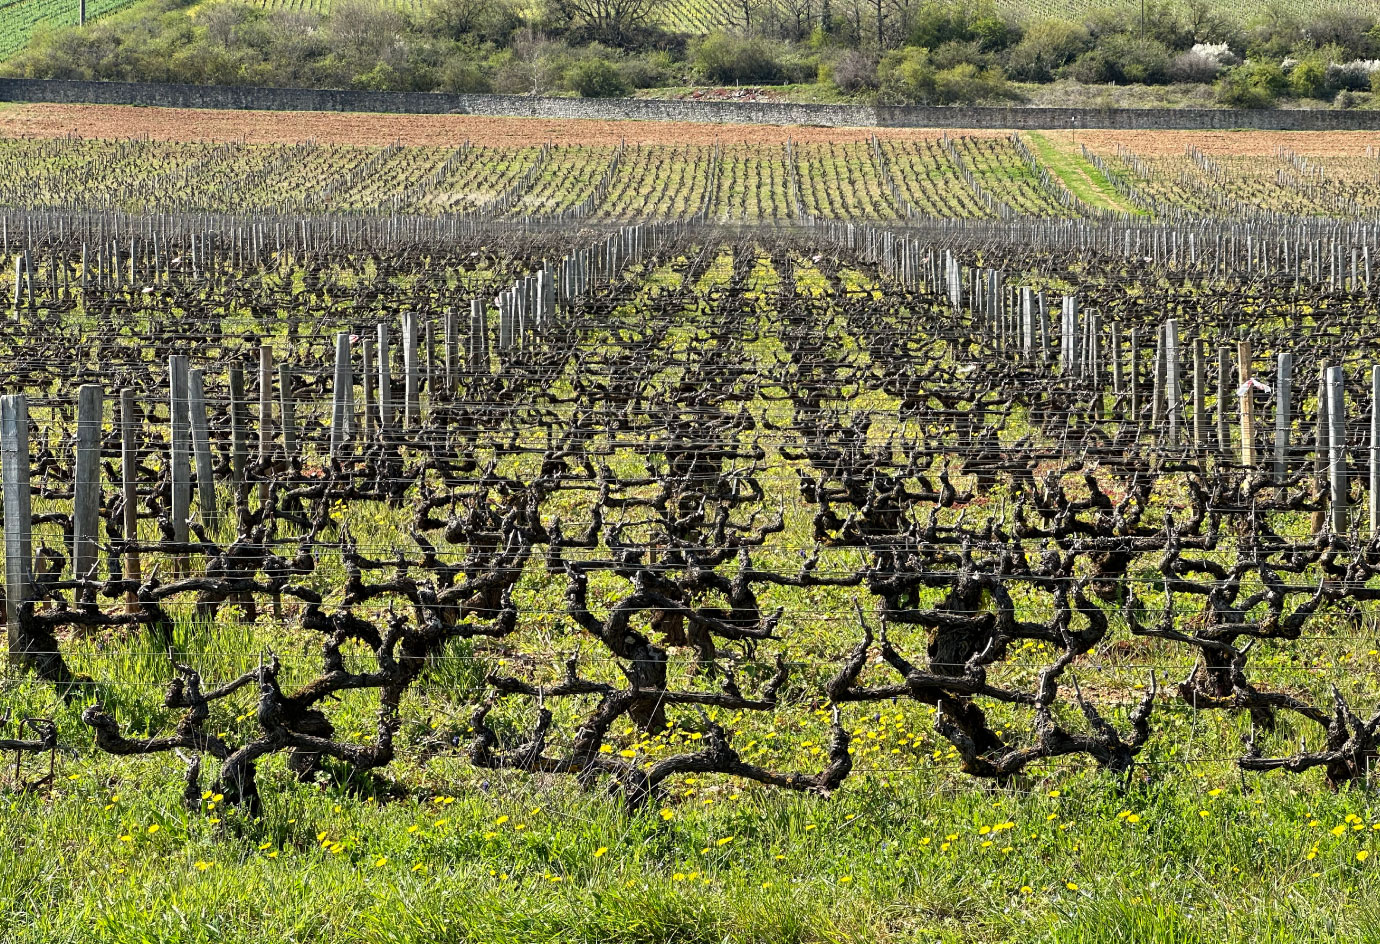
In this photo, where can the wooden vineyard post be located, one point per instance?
(86, 487)
(342, 396)
(505, 324)
(1173, 394)
(1091, 361)
(1284, 381)
(287, 413)
(1118, 391)
(19, 545)
(1336, 441)
(201, 450)
(18, 283)
(1133, 376)
(1157, 397)
(451, 349)
(1321, 433)
(239, 432)
(1374, 503)
(1247, 402)
(385, 385)
(1028, 322)
(129, 490)
(411, 370)
(180, 444)
(545, 299)
(366, 385)
(1200, 420)
(479, 337)
(265, 413)
(1068, 336)
(1223, 399)
(428, 380)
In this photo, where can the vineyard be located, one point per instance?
(799, 540)
(868, 179)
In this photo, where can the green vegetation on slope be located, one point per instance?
(920, 51)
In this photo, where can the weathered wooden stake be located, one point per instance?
(1173, 392)
(180, 448)
(86, 487)
(129, 489)
(1247, 402)
(19, 542)
(1118, 391)
(366, 384)
(201, 450)
(411, 371)
(1284, 382)
(1200, 420)
(1336, 441)
(1321, 452)
(452, 348)
(1133, 376)
(1374, 508)
(385, 384)
(265, 412)
(1223, 401)
(342, 395)
(239, 426)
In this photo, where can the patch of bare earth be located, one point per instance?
(278, 127)
(1223, 143)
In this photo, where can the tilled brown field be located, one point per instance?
(266, 127)
(1160, 143)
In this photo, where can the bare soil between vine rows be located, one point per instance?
(268, 127)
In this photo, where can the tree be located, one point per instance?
(490, 20)
(611, 21)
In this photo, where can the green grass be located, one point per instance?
(1079, 176)
(874, 864)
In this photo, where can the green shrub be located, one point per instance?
(965, 83)
(1253, 85)
(1045, 48)
(906, 77)
(648, 70)
(596, 78)
(1308, 79)
(461, 76)
(731, 60)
